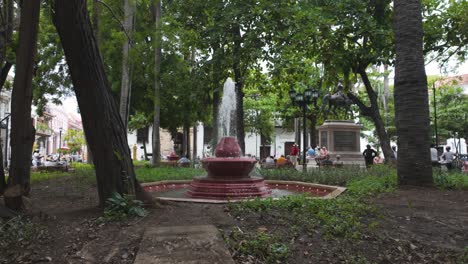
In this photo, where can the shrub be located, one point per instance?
(120, 207)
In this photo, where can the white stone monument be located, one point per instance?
(342, 137)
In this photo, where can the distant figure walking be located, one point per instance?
(369, 155)
(293, 154)
(447, 158)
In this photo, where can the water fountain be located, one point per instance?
(228, 172)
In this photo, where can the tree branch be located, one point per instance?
(116, 19)
(4, 74)
(365, 110)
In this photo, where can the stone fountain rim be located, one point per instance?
(337, 190)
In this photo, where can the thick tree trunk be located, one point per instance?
(22, 131)
(157, 84)
(102, 124)
(411, 96)
(373, 113)
(126, 85)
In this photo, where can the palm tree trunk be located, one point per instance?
(411, 96)
(22, 130)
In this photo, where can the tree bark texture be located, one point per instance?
(96, 13)
(104, 129)
(373, 113)
(22, 130)
(126, 84)
(157, 84)
(411, 96)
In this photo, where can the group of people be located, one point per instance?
(319, 155)
(39, 160)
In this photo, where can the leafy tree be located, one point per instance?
(445, 29)
(75, 140)
(452, 111)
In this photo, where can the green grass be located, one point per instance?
(148, 174)
(330, 176)
(451, 181)
(43, 176)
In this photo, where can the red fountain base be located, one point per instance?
(225, 189)
(228, 176)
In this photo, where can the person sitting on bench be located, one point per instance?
(323, 155)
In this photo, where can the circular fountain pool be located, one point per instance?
(177, 191)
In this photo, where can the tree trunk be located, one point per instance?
(2, 171)
(195, 146)
(313, 130)
(411, 96)
(157, 84)
(373, 113)
(102, 124)
(297, 132)
(239, 89)
(386, 95)
(22, 130)
(126, 85)
(96, 14)
(215, 84)
(187, 140)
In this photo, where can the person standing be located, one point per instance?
(369, 155)
(447, 158)
(293, 154)
(434, 156)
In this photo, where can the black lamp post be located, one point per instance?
(60, 142)
(302, 100)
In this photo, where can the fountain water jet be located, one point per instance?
(228, 172)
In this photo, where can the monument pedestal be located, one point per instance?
(342, 137)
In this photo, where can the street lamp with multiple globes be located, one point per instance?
(302, 100)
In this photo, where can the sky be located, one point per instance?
(71, 105)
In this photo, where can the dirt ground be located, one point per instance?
(419, 226)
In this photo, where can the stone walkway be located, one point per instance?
(183, 245)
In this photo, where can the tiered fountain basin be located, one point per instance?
(177, 191)
(228, 180)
